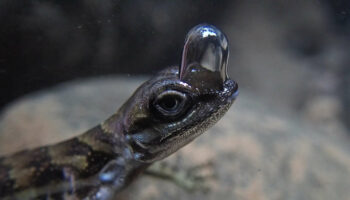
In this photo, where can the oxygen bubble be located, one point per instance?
(205, 51)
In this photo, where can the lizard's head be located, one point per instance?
(180, 103)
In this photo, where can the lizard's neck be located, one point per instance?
(109, 137)
(73, 166)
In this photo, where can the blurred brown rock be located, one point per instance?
(259, 152)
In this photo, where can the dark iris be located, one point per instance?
(171, 103)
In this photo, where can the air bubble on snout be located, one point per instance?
(206, 49)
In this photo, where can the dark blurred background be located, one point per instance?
(292, 54)
(47, 42)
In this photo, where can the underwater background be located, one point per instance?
(287, 137)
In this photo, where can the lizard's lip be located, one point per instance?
(231, 87)
(234, 95)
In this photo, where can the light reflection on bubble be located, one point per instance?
(205, 49)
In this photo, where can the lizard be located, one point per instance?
(164, 114)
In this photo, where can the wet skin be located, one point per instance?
(164, 114)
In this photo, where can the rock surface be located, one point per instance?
(259, 152)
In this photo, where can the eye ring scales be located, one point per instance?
(171, 103)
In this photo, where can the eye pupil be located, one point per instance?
(169, 103)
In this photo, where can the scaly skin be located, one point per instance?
(164, 114)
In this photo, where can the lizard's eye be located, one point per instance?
(171, 103)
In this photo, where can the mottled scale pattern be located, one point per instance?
(78, 158)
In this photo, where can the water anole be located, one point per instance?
(164, 114)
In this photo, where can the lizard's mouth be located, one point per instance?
(230, 90)
(234, 94)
